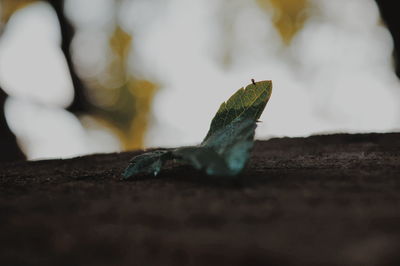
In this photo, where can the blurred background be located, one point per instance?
(90, 76)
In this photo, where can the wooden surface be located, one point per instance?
(323, 200)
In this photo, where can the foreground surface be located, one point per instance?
(330, 200)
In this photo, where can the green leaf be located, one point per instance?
(203, 158)
(249, 102)
(225, 153)
(234, 143)
(226, 148)
(146, 163)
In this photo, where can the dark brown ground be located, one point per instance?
(323, 200)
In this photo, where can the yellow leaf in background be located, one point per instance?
(143, 91)
(120, 42)
(9, 7)
(123, 101)
(288, 16)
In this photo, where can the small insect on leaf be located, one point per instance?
(226, 148)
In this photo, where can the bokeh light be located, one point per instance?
(155, 72)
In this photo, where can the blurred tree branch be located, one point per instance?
(9, 148)
(80, 104)
(8, 142)
(10, 151)
(389, 13)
